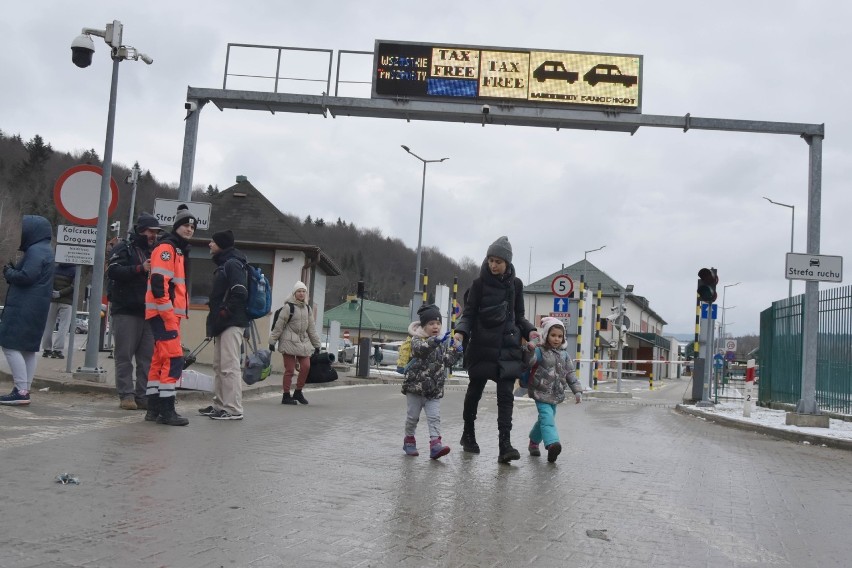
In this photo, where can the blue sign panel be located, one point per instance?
(560, 304)
(704, 311)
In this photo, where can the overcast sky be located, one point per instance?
(664, 202)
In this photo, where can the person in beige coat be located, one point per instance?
(296, 335)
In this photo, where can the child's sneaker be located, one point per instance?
(409, 444)
(15, 398)
(437, 449)
(553, 451)
(533, 448)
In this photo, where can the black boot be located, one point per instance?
(468, 439)
(168, 415)
(297, 395)
(287, 399)
(507, 452)
(153, 408)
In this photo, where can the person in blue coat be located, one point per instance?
(26, 306)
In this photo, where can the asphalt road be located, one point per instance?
(328, 485)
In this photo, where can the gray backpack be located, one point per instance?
(257, 364)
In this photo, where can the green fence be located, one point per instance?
(781, 351)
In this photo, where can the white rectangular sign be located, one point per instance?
(73, 254)
(74, 235)
(165, 211)
(818, 267)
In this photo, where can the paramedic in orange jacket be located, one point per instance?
(165, 305)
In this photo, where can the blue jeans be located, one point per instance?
(545, 427)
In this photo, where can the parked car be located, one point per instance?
(389, 353)
(345, 352)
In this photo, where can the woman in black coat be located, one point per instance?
(491, 326)
(27, 303)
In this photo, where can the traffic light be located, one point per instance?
(707, 280)
(360, 292)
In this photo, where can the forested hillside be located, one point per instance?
(29, 170)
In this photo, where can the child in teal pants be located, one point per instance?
(552, 372)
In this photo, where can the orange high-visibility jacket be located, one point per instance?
(166, 292)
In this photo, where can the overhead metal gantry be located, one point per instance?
(483, 112)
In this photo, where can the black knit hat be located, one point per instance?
(428, 312)
(146, 221)
(501, 248)
(183, 217)
(224, 239)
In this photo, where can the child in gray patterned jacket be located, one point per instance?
(552, 371)
(423, 386)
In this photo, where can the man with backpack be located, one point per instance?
(226, 323)
(128, 268)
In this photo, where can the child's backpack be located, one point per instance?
(531, 361)
(259, 300)
(403, 361)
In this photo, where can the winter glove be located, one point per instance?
(316, 350)
(271, 348)
(54, 294)
(223, 313)
(444, 338)
(534, 337)
(459, 347)
(578, 398)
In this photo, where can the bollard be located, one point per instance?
(651, 380)
(749, 388)
(363, 371)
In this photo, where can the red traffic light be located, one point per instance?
(707, 280)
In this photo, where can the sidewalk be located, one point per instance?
(50, 374)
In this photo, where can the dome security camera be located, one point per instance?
(82, 50)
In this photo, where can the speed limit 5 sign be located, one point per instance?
(562, 286)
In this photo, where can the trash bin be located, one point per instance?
(363, 369)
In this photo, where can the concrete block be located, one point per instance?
(96, 376)
(807, 420)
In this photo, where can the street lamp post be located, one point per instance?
(724, 290)
(418, 293)
(585, 253)
(792, 228)
(82, 50)
(133, 179)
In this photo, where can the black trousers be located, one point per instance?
(505, 402)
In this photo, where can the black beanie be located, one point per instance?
(224, 239)
(183, 217)
(501, 248)
(428, 312)
(146, 221)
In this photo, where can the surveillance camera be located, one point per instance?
(146, 58)
(82, 49)
(190, 106)
(486, 109)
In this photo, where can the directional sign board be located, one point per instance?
(574, 78)
(815, 267)
(560, 305)
(165, 210)
(562, 286)
(715, 311)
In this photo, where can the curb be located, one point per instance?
(789, 435)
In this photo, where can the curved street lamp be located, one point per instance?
(418, 293)
(792, 228)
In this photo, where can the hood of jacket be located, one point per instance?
(224, 256)
(416, 330)
(34, 229)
